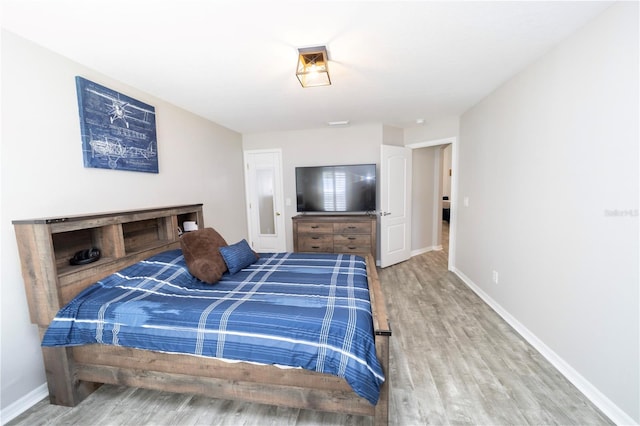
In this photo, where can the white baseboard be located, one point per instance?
(425, 250)
(607, 406)
(417, 252)
(24, 403)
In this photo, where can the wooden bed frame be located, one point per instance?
(45, 247)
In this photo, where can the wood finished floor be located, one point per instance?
(453, 362)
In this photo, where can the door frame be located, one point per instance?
(453, 140)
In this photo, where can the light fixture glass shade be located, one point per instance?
(313, 69)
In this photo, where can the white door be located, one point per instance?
(263, 186)
(395, 205)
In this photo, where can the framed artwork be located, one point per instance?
(118, 132)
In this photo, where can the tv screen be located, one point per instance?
(350, 188)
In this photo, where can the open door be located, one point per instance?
(395, 205)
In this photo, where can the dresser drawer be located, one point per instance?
(315, 227)
(351, 228)
(351, 249)
(352, 240)
(315, 243)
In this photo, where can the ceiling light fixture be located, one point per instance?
(313, 69)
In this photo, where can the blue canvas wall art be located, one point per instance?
(118, 132)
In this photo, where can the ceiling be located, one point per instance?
(233, 62)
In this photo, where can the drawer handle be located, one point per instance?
(351, 227)
(315, 238)
(352, 248)
(315, 226)
(315, 247)
(352, 238)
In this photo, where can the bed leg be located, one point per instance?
(64, 388)
(382, 408)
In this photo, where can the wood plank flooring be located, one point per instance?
(453, 362)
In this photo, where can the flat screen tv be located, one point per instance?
(338, 189)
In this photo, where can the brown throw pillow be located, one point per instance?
(202, 256)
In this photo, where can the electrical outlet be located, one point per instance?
(495, 277)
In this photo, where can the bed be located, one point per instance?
(76, 367)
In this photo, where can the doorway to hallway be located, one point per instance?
(434, 177)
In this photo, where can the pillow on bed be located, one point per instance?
(238, 256)
(201, 254)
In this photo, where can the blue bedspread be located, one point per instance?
(289, 309)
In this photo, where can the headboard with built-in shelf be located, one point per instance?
(124, 238)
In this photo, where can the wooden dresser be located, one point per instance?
(335, 234)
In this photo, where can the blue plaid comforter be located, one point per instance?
(289, 309)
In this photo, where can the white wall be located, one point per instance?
(327, 146)
(43, 175)
(392, 136)
(546, 161)
(440, 128)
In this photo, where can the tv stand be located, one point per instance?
(351, 234)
